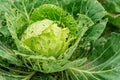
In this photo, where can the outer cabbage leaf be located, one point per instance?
(112, 6)
(104, 62)
(94, 10)
(11, 67)
(113, 9)
(90, 8)
(114, 19)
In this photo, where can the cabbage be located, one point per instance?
(46, 38)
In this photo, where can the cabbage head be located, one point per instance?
(47, 38)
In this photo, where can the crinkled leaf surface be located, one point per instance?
(55, 13)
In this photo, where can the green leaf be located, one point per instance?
(93, 9)
(103, 63)
(112, 6)
(7, 54)
(4, 31)
(95, 31)
(41, 76)
(11, 67)
(49, 64)
(114, 19)
(113, 9)
(84, 23)
(90, 8)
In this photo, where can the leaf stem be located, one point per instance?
(29, 76)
